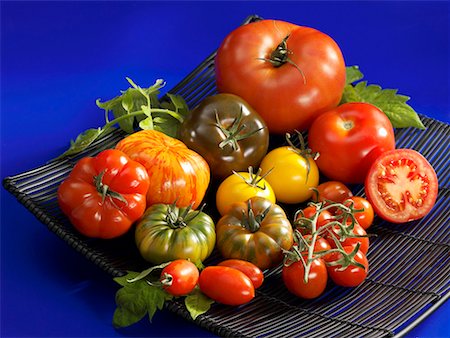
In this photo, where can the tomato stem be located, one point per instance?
(105, 191)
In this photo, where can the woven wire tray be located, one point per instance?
(409, 263)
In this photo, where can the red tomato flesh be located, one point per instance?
(402, 186)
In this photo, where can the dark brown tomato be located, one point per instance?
(228, 133)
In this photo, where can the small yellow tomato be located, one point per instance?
(293, 173)
(240, 187)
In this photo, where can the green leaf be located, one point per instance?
(124, 280)
(82, 141)
(197, 303)
(352, 74)
(393, 105)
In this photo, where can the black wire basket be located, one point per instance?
(409, 263)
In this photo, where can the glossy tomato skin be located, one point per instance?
(293, 278)
(160, 240)
(249, 269)
(203, 131)
(180, 277)
(349, 138)
(401, 186)
(226, 285)
(351, 276)
(358, 231)
(364, 217)
(262, 245)
(287, 174)
(98, 216)
(332, 191)
(176, 172)
(235, 188)
(290, 95)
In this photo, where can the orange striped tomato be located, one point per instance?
(176, 173)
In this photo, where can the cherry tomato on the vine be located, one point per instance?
(179, 277)
(293, 277)
(402, 186)
(364, 217)
(333, 191)
(309, 212)
(226, 285)
(350, 241)
(352, 275)
(251, 270)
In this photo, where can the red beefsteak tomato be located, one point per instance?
(288, 73)
(349, 138)
(104, 195)
(176, 173)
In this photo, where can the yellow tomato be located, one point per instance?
(240, 187)
(292, 174)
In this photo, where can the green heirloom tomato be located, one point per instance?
(166, 233)
(256, 231)
(228, 133)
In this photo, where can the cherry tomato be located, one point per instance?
(349, 138)
(251, 270)
(351, 241)
(402, 186)
(290, 174)
(333, 191)
(226, 285)
(179, 277)
(241, 186)
(288, 73)
(323, 218)
(293, 277)
(364, 217)
(352, 275)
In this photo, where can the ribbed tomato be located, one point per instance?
(177, 174)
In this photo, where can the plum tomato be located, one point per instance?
(352, 275)
(228, 133)
(349, 138)
(293, 277)
(226, 285)
(402, 186)
(251, 270)
(180, 277)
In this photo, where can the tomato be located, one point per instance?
(176, 172)
(309, 212)
(358, 231)
(227, 132)
(291, 174)
(364, 217)
(332, 191)
(241, 186)
(288, 73)
(180, 277)
(293, 277)
(104, 195)
(226, 285)
(256, 231)
(349, 138)
(166, 233)
(352, 275)
(402, 186)
(249, 269)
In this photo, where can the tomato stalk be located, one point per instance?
(105, 191)
(251, 221)
(233, 133)
(302, 150)
(180, 217)
(254, 179)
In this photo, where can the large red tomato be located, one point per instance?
(176, 173)
(287, 73)
(348, 139)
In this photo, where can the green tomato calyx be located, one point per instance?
(251, 221)
(254, 179)
(105, 191)
(180, 217)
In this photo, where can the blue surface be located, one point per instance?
(57, 58)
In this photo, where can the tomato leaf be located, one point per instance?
(392, 104)
(136, 299)
(197, 303)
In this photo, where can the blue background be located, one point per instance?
(57, 58)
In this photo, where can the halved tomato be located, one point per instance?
(401, 185)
